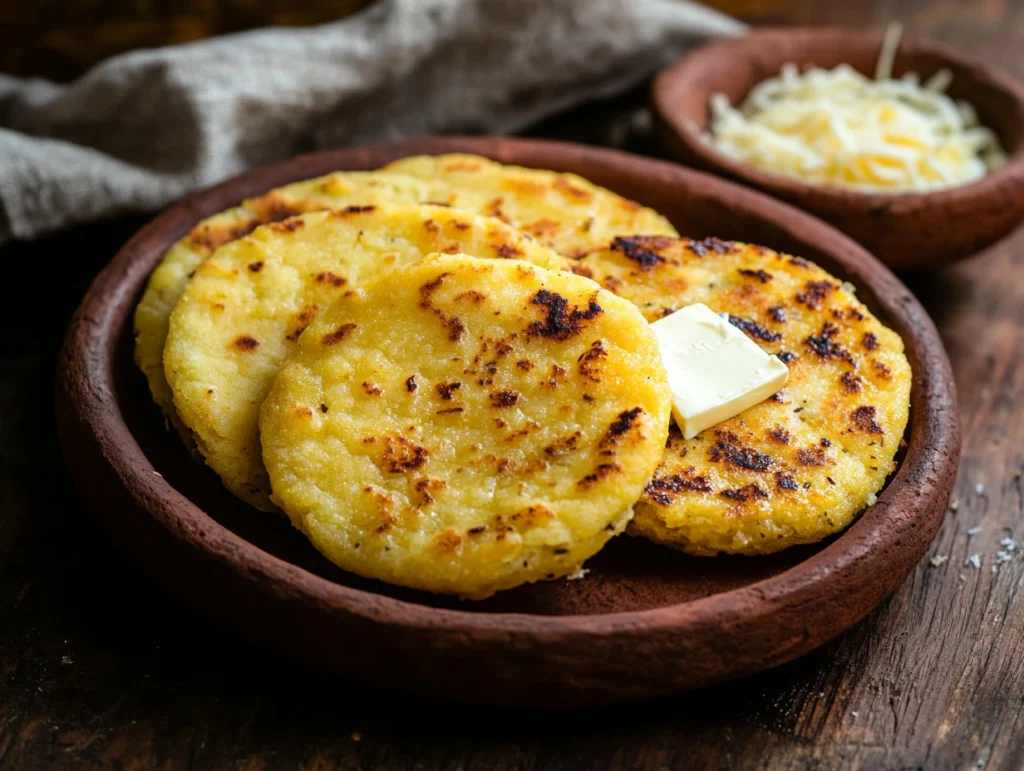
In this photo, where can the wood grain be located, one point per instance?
(935, 676)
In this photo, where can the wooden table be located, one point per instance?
(98, 668)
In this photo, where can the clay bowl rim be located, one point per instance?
(733, 53)
(87, 389)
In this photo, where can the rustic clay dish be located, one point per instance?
(906, 231)
(646, 621)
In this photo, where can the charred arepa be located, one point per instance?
(168, 281)
(465, 426)
(563, 211)
(803, 464)
(247, 305)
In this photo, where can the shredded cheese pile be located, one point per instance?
(839, 127)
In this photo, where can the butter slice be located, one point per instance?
(715, 372)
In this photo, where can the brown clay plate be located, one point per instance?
(646, 621)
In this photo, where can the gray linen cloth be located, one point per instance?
(144, 128)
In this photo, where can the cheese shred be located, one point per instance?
(839, 127)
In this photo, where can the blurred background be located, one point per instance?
(59, 39)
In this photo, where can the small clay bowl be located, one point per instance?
(906, 231)
(646, 621)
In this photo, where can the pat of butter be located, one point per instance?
(714, 370)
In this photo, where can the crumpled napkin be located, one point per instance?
(144, 128)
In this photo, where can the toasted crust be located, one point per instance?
(247, 305)
(795, 468)
(465, 426)
(166, 283)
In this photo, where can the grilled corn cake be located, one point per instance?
(563, 211)
(166, 284)
(249, 302)
(465, 426)
(800, 466)
(560, 210)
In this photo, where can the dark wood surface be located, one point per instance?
(98, 669)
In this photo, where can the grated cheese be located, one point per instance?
(839, 127)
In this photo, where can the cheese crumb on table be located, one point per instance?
(715, 371)
(577, 574)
